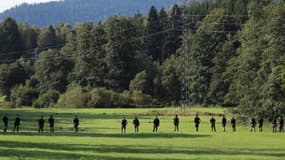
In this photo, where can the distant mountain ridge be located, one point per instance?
(73, 11)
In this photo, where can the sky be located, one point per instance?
(6, 4)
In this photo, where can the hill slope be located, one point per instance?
(72, 11)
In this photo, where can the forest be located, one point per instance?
(235, 59)
(72, 11)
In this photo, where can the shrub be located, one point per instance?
(23, 95)
(101, 97)
(47, 99)
(141, 99)
(74, 97)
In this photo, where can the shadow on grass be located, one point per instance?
(75, 151)
(111, 135)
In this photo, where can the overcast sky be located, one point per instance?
(6, 4)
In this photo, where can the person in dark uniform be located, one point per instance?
(51, 124)
(136, 123)
(233, 123)
(156, 123)
(41, 124)
(274, 125)
(197, 122)
(176, 123)
(124, 125)
(252, 125)
(260, 123)
(17, 124)
(76, 123)
(281, 124)
(5, 122)
(224, 123)
(213, 124)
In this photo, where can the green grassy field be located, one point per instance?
(100, 137)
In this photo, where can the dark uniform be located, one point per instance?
(176, 123)
(41, 124)
(51, 123)
(155, 124)
(213, 124)
(233, 123)
(252, 125)
(274, 125)
(197, 122)
(124, 125)
(75, 123)
(260, 124)
(17, 124)
(281, 124)
(136, 123)
(5, 122)
(224, 123)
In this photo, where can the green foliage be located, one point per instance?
(139, 83)
(47, 99)
(47, 38)
(170, 79)
(74, 97)
(204, 47)
(140, 99)
(10, 40)
(23, 95)
(52, 69)
(101, 97)
(10, 76)
(77, 97)
(258, 79)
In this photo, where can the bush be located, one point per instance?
(47, 99)
(74, 97)
(141, 99)
(23, 95)
(101, 97)
(78, 97)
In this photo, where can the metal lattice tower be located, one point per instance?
(185, 97)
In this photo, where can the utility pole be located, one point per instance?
(185, 98)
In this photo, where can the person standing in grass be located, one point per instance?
(233, 123)
(197, 122)
(51, 124)
(224, 123)
(136, 123)
(17, 124)
(156, 124)
(176, 123)
(76, 123)
(260, 123)
(274, 125)
(124, 125)
(41, 124)
(281, 124)
(213, 124)
(5, 122)
(252, 125)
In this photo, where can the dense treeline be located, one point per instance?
(73, 11)
(236, 58)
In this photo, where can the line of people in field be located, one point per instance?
(197, 121)
(277, 124)
(41, 124)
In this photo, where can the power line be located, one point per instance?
(132, 40)
(63, 44)
(125, 30)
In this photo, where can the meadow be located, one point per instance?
(100, 137)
